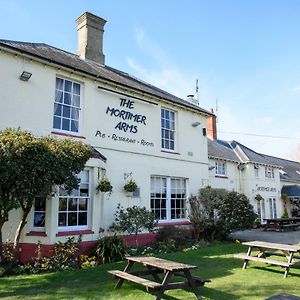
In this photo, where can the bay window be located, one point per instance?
(73, 210)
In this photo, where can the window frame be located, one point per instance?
(168, 199)
(218, 168)
(270, 172)
(89, 206)
(39, 228)
(169, 130)
(60, 130)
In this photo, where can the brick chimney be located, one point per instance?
(212, 126)
(90, 30)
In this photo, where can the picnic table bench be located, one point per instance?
(280, 224)
(262, 256)
(154, 266)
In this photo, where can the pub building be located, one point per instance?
(168, 145)
(233, 166)
(137, 132)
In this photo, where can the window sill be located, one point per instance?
(36, 233)
(171, 152)
(68, 134)
(170, 223)
(221, 176)
(74, 232)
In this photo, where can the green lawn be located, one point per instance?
(229, 281)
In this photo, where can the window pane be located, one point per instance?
(76, 101)
(82, 204)
(39, 219)
(72, 204)
(58, 96)
(62, 219)
(82, 218)
(75, 113)
(76, 88)
(59, 83)
(74, 126)
(57, 122)
(66, 111)
(68, 86)
(67, 98)
(65, 124)
(62, 204)
(57, 109)
(39, 204)
(72, 219)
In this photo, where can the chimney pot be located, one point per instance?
(90, 30)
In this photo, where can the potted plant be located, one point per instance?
(130, 187)
(257, 223)
(104, 186)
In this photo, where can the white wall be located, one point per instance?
(29, 105)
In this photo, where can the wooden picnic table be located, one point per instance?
(155, 266)
(262, 256)
(281, 224)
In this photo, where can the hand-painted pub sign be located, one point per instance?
(126, 114)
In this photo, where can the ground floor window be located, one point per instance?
(261, 210)
(168, 197)
(273, 210)
(73, 208)
(39, 215)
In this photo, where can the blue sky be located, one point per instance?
(246, 54)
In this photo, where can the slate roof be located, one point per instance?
(252, 156)
(221, 149)
(290, 170)
(73, 61)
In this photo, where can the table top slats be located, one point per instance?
(283, 247)
(160, 263)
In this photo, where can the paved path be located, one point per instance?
(287, 237)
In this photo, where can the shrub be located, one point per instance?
(179, 235)
(133, 220)
(109, 249)
(65, 257)
(87, 262)
(235, 213)
(215, 213)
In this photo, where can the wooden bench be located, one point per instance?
(288, 252)
(264, 260)
(155, 266)
(290, 226)
(139, 280)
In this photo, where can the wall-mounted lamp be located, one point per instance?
(25, 76)
(196, 124)
(211, 168)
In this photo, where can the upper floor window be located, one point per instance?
(269, 172)
(256, 171)
(74, 207)
(66, 105)
(220, 168)
(167, 129)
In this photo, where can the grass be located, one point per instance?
(229, 281)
